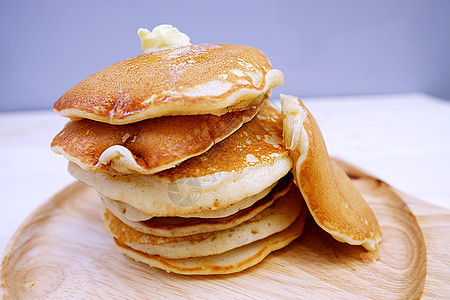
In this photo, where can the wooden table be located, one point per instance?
(403, 139)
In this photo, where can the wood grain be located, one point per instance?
(61, 251)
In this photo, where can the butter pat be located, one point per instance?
(161, 36)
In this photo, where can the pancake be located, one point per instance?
(242, 165)
(185, 80)
(334, 202)
(176, 226)
(146, 147)
(124, 210)
(235, 260)
(271, 220)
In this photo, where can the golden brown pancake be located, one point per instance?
(335, 204)
(232, 261)
(242, 165)
(176, 226)
(186, 80)
(146, 147)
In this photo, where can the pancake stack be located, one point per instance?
(192, 164)
(187, 157)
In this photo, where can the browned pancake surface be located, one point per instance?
(256, 142)
(133, 86)
(155, 144)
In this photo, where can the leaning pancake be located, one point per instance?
(240, 166)
(235, 260)
(146, 147)
(335, 204)
(271, 220)
(185, 80)
(176, 226)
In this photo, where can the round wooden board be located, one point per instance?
(61, 251)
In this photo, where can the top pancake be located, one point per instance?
(187, 80)
(334, 202)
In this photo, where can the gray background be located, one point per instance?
(324, 47)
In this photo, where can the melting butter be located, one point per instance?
(161, 36)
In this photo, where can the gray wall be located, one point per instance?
(324, 47)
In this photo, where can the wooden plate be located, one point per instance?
(61, 251)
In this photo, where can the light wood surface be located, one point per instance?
(403, 139)
(61, 251)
